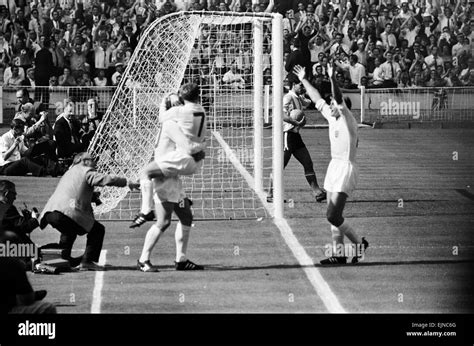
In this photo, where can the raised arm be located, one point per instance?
(270, 6)
(336, 92)
(312, 92)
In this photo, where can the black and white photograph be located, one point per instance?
(214, 166)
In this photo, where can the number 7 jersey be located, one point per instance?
(191, 118)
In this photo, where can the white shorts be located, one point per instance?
(176, 163)
(168, 189)
(341, 176)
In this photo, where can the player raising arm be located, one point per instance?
(342, 172)
(294, 104)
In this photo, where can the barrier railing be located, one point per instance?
(379, 105)
(55, 97)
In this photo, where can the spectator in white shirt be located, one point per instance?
(100, 80)
(118, 72)
(361, 52)
(391, 71)
(409, 30)
(434, 60)
(356, 69)
(233, 79)
(377, 76)
(337, 46)
(12, 147)
(15, 79)
(388, 38)
(316, 46)
(461, 46)
(102, 55)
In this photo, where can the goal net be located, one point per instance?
(231, 56)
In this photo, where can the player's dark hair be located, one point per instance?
(348, 102)
(24, 92)
(292, 80)
(69, 99)
(296, 43)
(17, 124)
(189, 92)
(6, 185)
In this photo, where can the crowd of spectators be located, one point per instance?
(38, 146)
(380, 43)
(383, 44)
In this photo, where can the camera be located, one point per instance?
(96, 198)
(42, 268)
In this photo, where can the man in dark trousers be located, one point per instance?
(66, 132)
(296, 57)
(44, 69)
(17, 296)
(69, 209)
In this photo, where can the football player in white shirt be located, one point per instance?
(169, 195)
(342, 173)
(185, 125)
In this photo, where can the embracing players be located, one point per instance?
(342, 173)
(183, 131)
(185, 159)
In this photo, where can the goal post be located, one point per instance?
(234, 57)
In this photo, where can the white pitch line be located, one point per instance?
(314, 276)
(98, 284)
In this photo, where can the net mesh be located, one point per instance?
(200, 48)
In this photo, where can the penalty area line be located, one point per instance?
(312, 273)
(98, 285)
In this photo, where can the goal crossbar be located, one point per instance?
(161, 62)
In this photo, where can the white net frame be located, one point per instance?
(237, 154)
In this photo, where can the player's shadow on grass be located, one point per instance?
(133, 267)
(396, 263)
(215, 267)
